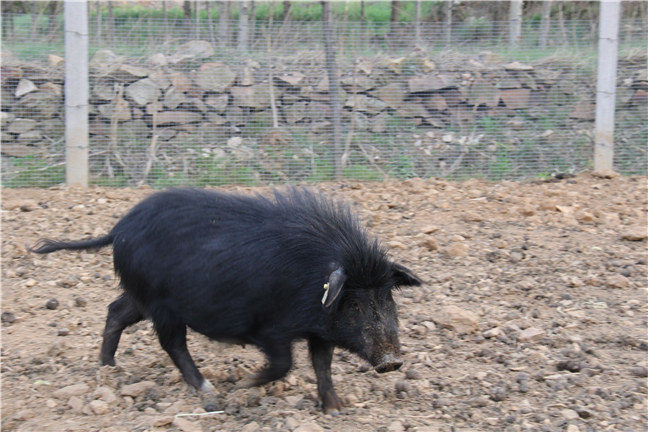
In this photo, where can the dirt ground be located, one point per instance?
(533, 317)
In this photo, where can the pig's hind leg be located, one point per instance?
(172, 334)
(122, 313)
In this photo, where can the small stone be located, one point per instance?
(76, 403)
(572, 428)
(7, 317)
(494, 332)
(63, 331)
(635, 234)
(457, 250)
(430, 229)
(413, 374)
(99, 407)
(640, 371)
(309, 427)
(430, 243)
(136, 389)
(71, 390)
(163, 421)
(530, 334)
(106, 394)
(569, 414)
(457, 319)
(605, 174)
(498, 394)
(396, 426)
(402, 386)
(80, 301)
(186, 425)
(24, 86)
(51, 403)
(52, 304)
(251, 427)
(617, 281)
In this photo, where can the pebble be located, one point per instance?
(457, 319)
(396, 426)
(569, 414)
(430, 243)
(80, 301)
(76, 403)
(106, 394)
(572, 428)
(617, 281)
(640, 371)
(185, 425)
(531, 334)
(402, 386)
(99, 407)
(457, 250)
(71, 390)
(52, 304)
(134, 390)
(251, 427)
(163, 421)
(494, 332)
(498, 393)
(309, 427)
(51, 403)
(63, 331)
(413, 374)
(635, 234)
(7, 317)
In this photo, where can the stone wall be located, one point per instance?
(191, 93)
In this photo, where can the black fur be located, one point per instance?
(251, 269)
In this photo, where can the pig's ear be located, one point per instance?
(333, 287)
(404, 276)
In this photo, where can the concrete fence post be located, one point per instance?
(606, 84)
(76, 92)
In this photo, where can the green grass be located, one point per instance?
(34, 172)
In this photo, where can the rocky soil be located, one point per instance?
(532, 318)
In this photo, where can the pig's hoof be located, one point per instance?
(210, 406)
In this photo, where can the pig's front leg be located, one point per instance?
(321, 355)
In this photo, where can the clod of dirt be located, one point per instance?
(7, 317)
(52, 304)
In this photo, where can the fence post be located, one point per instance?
(76, 92)
(606, 85)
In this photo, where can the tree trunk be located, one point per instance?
(110, 33)
(223, 23)
(244, 29)
(197, 20)
(545, 23)
(515, 23)
(7, 19)
(210, 23)
(252, 23)
(98, 20)
(393, 23)
(447, 9)
(561, 23)
(331, 71)
(417, 24)
(363, 25)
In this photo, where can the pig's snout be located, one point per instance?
(389, 363)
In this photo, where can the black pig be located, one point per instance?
(256, 270)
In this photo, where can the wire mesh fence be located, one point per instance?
(197, 102)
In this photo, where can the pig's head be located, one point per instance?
(364, 320)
